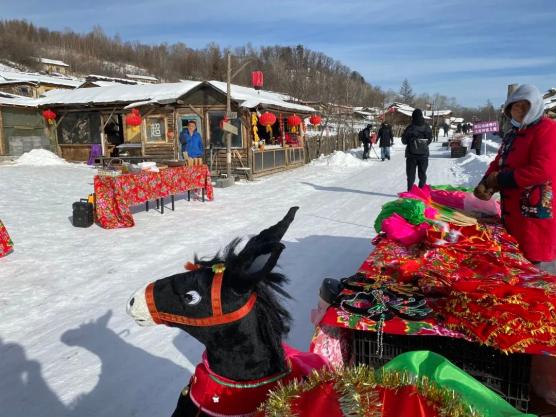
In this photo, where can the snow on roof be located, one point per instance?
(249, 98)
(141, 77)
(121, 93)
(406, 109)
(437, 112)
(550, 104)
(94, 78)
(15, 100)
(39, 78)
(53, 62)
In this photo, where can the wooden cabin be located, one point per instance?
(399, 117)
(53, 66)
(33, 84)
(22, 128)
(97, 116)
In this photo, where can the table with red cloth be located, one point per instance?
(481, 289)
(6, 244)
(114, 196)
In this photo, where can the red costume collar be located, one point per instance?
(218, 396)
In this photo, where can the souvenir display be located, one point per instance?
(6, 244)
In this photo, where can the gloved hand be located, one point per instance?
(482, 193)
(491, 182)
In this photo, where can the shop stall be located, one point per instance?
(444, 276)
(146, 120)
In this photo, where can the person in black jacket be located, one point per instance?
(365, 137)
(417, 138)
(385, 139)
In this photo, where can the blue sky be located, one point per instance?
(466, 49)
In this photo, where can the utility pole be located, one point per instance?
(226, 182)
(228, 110)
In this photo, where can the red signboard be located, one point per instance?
(485, 127)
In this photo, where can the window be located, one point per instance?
(156, 129)
(218, 136)
(79, 128)
(23, 91)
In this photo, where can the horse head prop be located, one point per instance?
(232, 305)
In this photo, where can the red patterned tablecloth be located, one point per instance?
(115, 195)
(6, 244)
(490, 295)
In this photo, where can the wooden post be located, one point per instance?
(2, 150)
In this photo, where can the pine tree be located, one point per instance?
(406, 93)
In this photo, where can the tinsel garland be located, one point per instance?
(358, 396)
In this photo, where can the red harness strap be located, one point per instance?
(218, 316)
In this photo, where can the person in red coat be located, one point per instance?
(524, 172)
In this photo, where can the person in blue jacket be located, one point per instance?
(192, 144)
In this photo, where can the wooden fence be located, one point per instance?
(316, 146)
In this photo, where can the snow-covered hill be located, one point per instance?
(67, 348)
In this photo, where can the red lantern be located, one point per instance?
(133, 119)
(49, 116)
(257, 80)
(294, 120)
(315, 120)
(267, 119)
(224, 120)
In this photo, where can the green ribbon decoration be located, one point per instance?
(446, 375)
(452, 188)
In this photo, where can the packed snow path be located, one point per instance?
(67, 348)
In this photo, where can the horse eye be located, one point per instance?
(192, 297)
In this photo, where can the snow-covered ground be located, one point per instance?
(67, 347)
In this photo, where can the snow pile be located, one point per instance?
(351, 159)
(470, 169)
(40, 157)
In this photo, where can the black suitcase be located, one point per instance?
(83, 213)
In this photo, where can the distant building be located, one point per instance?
(33, 84)
(550, 103)
(143, 78)
(94, 80)
(53, 66)
(22, 127)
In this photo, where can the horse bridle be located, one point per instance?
(218, 316)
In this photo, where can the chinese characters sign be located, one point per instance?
(485, 127)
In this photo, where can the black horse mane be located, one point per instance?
(274, 320)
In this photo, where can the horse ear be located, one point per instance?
(102, 321)
(260, 254)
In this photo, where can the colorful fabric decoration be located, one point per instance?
(414, 384)
(411, 210)
(400, 230)
(6, 244)
(504, 311)
(115, 195)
